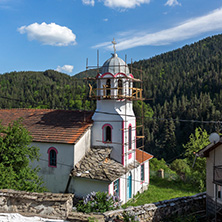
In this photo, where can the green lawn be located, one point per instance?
(162, 189)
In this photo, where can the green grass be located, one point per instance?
(162, 189)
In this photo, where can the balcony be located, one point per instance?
(115, 93)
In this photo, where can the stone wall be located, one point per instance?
(42, 204)
(163, 209)
(53, 205)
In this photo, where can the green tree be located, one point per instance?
(15, 156)
(197, 141)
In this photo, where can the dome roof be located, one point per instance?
(115, 65)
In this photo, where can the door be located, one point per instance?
(129, 186)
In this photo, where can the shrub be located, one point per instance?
(180, 166)
(98, 202)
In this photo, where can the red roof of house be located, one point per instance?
(46, 125)
(142, 156)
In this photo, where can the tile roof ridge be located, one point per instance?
(70, 110)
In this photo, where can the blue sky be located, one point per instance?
(37, 35)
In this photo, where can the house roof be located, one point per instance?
(47, 125)
(142, 156)
(98, 165)
(207, 149)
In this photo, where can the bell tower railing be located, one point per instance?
(136, 93)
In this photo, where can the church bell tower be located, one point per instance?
(114, 118)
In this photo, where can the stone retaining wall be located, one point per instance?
(43, 204)
(163, 209)
(60, 206)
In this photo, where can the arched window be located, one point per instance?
(130, 137)
(52, 156)
(120, 87)
(107, 133)
(108, 86)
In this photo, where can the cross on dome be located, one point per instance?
(114, 45)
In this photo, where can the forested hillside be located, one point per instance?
(184, 84)
(49, 89)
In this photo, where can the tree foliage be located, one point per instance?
(15, 155)
(197, 141)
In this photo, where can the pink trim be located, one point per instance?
(131, 75)
(115, 76)
(104, 132)
(148, 166)
(52, 148)
(119, 188)
(123, 155)
(130, 155)
(135, 140)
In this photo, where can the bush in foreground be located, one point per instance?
(98, 202)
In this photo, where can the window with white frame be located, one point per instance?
(116, 188)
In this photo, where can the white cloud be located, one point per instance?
(65, 68)
(186, 30)
(105, 20)
(124, 3)
(172, 3)
(49, 34)
(88, 2)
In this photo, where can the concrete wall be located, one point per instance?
(55, 178)
(41, 204)
(82, 186)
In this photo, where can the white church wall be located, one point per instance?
(82, 186)
(55, 178)
(82, 146)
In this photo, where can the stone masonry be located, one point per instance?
(42, 204)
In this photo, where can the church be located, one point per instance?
(83, 151)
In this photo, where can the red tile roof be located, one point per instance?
(46, 125)
(142, 156)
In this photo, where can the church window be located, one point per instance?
(107, 133)
(108, 86)
(130, 137)
(120, 87)
(52, 156)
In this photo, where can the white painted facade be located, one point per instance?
(83, 186)
(119, 115)
(138, 185)
(56, 178)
